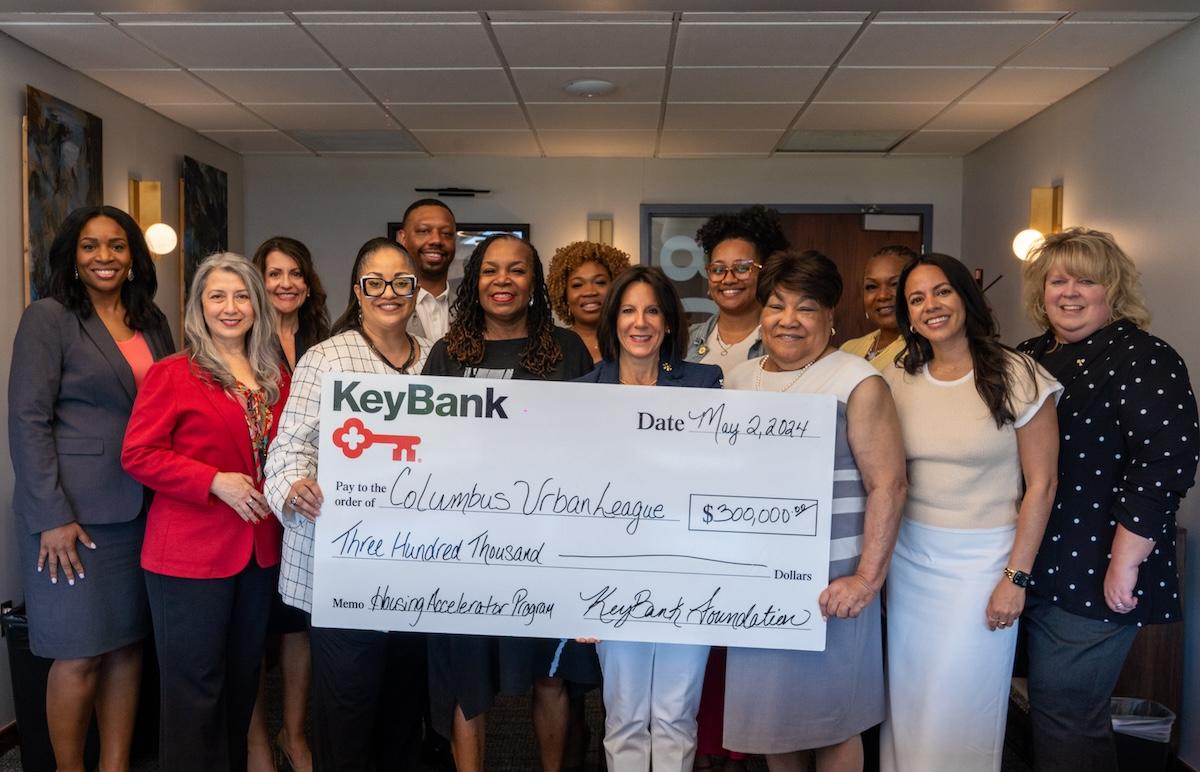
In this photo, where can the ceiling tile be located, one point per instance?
(211, 117)
(253, 142)
(471, 85)
(900, 84)
(407, 45)
(941, 44)
(351, 141)
(704, 142)
(984, 117)
(634, 84)
(868, 116)
(840, 141)
(28, 17)
(584, 45)
(763, 44)
(462, 117)
(744, 84)
(284, 85)
(86, 46)
(177, 18)
(610, 144)
(509, 143)
(579, 16)
(584, 116)
(1029, 85)
(776, 17)
(1092, 44)
(147, 86)
(385, 17)
(726, 116)
(1184, 16)
(943, 142)
(225, 45)
(967, 16)
(322, 117)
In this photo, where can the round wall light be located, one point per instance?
(161, 238)
(1025, 242)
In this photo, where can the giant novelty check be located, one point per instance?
(566, 509)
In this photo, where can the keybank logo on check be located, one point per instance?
(418, 399)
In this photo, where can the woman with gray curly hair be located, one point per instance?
(578, 281)
(198, 437)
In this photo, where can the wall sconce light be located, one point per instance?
(1045, 216)
(145, 207)
(600, 229)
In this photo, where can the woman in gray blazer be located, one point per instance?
(78, 356)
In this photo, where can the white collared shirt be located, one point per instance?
(432, 317)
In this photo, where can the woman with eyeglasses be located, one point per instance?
(503, 328)
(366, 696)
(735, 247)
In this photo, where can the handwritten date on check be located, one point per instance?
(562, 510)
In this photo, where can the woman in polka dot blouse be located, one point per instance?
(1128, 454)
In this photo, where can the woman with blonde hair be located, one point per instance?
(1106, 565)
(198, 438)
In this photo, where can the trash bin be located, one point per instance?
(1142, 729)
(29, 674)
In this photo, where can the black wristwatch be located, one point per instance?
(1019, 578)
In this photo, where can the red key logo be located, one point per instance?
(353, 438)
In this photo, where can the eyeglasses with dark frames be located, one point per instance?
(741, 269)
(404, 285)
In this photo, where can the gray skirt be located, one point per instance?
(104, 611)
(781, 701)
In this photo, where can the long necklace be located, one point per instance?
(874, 350)
(412, 352)
(799, 373)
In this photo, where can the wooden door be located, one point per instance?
(842, 239)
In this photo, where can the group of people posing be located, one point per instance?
(175, 494)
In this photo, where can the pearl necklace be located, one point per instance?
(799, 373)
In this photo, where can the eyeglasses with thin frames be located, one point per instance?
(404, 285)
(741, 269)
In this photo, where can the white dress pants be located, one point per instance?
(651, 695)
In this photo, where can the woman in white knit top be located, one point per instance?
(981, 437)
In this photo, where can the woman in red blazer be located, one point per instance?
(198, 437)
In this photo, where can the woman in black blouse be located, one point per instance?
(1106, 565)
(503, 328)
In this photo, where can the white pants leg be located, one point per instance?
(651, 695)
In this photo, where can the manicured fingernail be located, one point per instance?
(91, 545)
(81, 575)
(71, 582)
(39, 569)
(54, 580)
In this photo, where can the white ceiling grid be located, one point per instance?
(687, 84)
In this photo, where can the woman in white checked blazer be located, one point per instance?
(367, 685)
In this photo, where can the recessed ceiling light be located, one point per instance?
(588, 88)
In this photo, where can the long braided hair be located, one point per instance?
(465, 340)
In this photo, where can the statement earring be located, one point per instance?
(832, 331)
(129, 277)
(76, 272)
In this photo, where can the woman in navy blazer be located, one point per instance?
(651, 690)
(78, 359)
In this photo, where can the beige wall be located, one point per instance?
(335, 204)
(137, 142)
(1125, 150)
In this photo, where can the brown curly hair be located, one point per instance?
(464, 340)
(567, 260)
